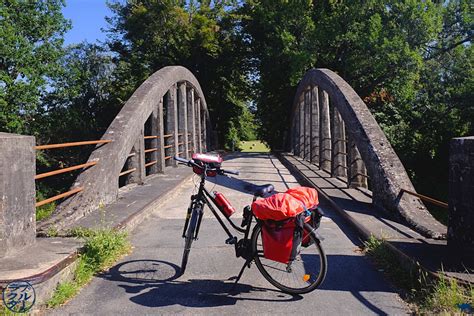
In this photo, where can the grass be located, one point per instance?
(102, 248)
(45, 211)
(425, 295)
(253, 146)
(4, 311)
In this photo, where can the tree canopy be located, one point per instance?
(31, 34)
(411, 62)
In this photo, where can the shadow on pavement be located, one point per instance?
(153, 283)
(351, 274)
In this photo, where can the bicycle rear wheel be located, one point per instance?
(305, 273)
(188, 239)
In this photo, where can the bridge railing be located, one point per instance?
(166, 116)
(65, 170)
(332, 128)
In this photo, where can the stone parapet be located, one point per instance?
(17, 192)
(461, 196)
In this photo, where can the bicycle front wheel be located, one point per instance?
(188, 239)
(303, 275)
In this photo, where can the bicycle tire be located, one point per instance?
(188, 239)
(262, 266)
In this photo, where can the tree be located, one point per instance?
(278, 34)
(31, 42)
(411, 62)
(79, 106)
(203, 37)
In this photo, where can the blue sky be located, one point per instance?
(87, 17)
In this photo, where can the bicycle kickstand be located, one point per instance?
(246, 264)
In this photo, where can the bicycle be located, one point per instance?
(301, 275)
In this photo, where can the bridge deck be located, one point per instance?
(355, 205)
(145, 281)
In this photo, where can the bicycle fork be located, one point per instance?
(198, 207)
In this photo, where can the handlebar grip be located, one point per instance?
(234, 172)
(181, 159)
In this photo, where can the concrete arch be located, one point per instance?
(387, 174)
(100, 183)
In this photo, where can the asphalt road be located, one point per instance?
(146, 282)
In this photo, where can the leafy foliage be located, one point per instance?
(31, 35)
(203, 37)
(411, 62)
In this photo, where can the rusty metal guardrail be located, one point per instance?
(65, 170)
(426, 198)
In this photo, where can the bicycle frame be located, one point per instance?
(204, 197)
(245, 247)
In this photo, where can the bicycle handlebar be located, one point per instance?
(181, 160)
(235, 172)
(191, 163)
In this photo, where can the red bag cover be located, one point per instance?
(277, 207)
(308, 196)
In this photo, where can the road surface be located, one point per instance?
(146, 282)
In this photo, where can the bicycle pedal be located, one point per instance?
(231, 241)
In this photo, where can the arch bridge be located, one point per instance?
(331, 128)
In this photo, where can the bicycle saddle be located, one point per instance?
(262, 190)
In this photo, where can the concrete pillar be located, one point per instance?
(160, 143)
(153, 142)
(192, 120)
(137, 161)
(301, 127)
(357, 173)
(314, 123)
(325, 132)
(461, 199)
(307, 125)
(198, 127)
(204, 131)
(17, 192)
(291, 149)
(339, 153)
(172, 123)
(183, 120)
(296, 132)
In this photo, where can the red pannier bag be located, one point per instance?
(281, 239)
(277, 240)
(279, 233)
(283, 220)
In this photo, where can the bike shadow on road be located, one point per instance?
(155, 283)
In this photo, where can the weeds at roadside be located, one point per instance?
(101, 249)
(4, 311)
(52, 232)
(426, 295)
(45, 211)
(80, 232)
